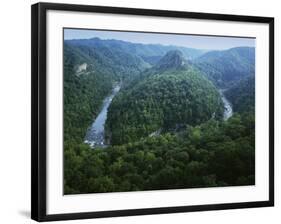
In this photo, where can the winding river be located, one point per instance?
(227, 106)
(95, 134)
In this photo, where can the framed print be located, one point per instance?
(138, 111)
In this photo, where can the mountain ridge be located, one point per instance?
(148, 52)
(226, 67)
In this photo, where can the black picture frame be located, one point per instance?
(39, 123)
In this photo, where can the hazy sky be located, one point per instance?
(192, 41)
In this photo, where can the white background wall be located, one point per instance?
(15, 110)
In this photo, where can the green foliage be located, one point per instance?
(211, 154)
(165, 123)
(166, 100)
(110, 59)
(242, 95)
(83, 93)
(225, 68)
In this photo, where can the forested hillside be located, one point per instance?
(242, 95)
(227, 67)
(209, 155)
(121, 63)
(176, 96)
(84, 92)
(89, 74)
(165, 125)
(150, 53)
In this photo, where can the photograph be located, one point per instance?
(149, 111)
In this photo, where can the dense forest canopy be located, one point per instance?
(227, 67)
(242, 95)
(178, 95)
(165, 125)
(209, 155)
(83, 91)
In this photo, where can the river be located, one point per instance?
(95, 135)
(227, 106)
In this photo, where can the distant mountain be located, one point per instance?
(227, 67)
(175, 94)
(242, 95)
(150, 53)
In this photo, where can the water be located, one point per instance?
(227, 106)
(95, 134)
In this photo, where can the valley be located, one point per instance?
(151, 116)
(228, 111)
(95, 135)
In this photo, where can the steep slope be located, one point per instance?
(90, 69)
(242, 95)
(172, 60)
(163, 117)
(177, 95)
(121, 63)
(227, 67)
(84, 90)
